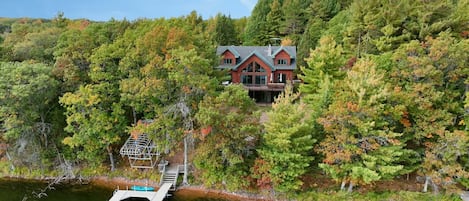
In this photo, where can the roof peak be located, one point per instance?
(266, 53)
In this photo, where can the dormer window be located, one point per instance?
(227, 61)
(282, 62)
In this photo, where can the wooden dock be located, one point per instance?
(150, 195)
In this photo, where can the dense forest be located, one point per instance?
(383, 94)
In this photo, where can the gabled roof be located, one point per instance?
(260, 56)
(292, 56)
(233, 51)
(262, 52)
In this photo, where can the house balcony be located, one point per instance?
(265, 87)
(279, 85)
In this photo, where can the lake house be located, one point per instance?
(263, 70)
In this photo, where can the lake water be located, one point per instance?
(25, 190)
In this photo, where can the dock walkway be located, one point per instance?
(168, 180)
(150, 195)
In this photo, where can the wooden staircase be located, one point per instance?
(170, 176)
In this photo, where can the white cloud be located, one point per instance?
(249, 4)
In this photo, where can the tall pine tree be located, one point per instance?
(274, 19)
(256, 32)
(225, 33)
(287, 143)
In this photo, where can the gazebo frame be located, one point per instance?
(141, 151)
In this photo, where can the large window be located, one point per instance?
(246, 79)
(254, 67)
(254, 79)
(258, 68)
(261, 79)
(254, 74)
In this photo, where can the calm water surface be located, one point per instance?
(25, 190)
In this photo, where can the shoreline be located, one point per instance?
(200, 191)
(123, 183)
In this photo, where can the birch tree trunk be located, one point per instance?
(12, 167)
(342, 185)
(425, 186)
(134, 114)
(350, 187)
(184, 179)
(111, 158)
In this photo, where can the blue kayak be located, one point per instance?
(142, 188)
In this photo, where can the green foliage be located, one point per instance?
(28, 107)
(75, 47)
(430, 86)
(376, 196)
(256, 32)
(295, 17)
(28, 94)
(378, 26)
(225, 33)
(37, 46)
(309, 39)
(95, 121)
(327, 9)
(287, 143)
(442, 158)
(274, 20)
(31, 41)
(337, 25)
(323, 63)
(225, 155)
(188, 76)
(398, 105)
(466, 108)
(359, 146)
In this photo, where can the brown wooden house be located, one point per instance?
(263, 70)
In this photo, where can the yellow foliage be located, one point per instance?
(68, 141)
(287, 42)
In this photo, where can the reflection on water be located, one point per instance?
(27, 190)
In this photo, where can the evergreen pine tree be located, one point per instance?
(295, 18)
(325, 60)
(359, 147)
(288, 143)
(256, 32)
(274, 19)
(225, 33)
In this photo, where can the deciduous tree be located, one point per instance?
(429, 81)
(95, 122)
(28, 101)
(225, 155)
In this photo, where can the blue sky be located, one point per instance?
(104, 10)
